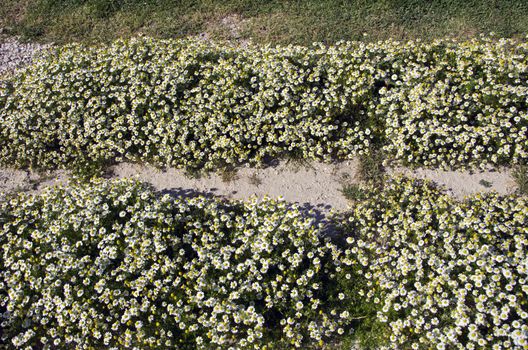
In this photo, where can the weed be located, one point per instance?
(485, 183)
(371, 169)
(193, 173)
(255, 180)
(353, 192)
(520, 174)
(296, 161)
(228, 174)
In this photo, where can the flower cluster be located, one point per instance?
(441, 274)
(111, 264)
(191, 104)
(185, 104)
(463, 104)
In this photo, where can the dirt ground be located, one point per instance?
(312, 185)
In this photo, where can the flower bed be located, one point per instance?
(194, 105)
(438, 273)
(463, 104)
(112, 264)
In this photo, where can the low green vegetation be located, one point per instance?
(486, 183)
(275, 21)
(195, 105)
(520, 174)
(228, 174)
(353, 191)
(371, 169)
(115, 264)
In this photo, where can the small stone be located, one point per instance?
(14, 55)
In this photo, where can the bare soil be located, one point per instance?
(312, 185)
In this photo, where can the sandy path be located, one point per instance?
(463, 183)
(313, 185)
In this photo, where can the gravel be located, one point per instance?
(14, 54)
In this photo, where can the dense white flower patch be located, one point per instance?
(191, 104)
(185, 104)
(465, 104)
(441, 274)
(110, 264)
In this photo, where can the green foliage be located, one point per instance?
(485, 183)
(228, 174)
(520, 174)
(275, 21)
(353, 192)
(371, 169)
(100, 9)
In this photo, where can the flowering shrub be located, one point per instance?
(443, 274)
(463, 104)
(185, 104)
(191, 104)
(110, 264)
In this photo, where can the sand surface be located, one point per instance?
(312, 185)
(462, 183)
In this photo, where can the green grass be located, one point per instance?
(274, 21)
(353, 192)
(486, 183)
(520, 174)
(228, 174)
(371, 169)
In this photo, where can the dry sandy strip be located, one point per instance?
(314, 185)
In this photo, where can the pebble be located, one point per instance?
(14, 54)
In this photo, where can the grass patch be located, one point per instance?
(520, 174)
(485, 183)
(228, 174)
(353, 192)
(371, 169)
(300, 22)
